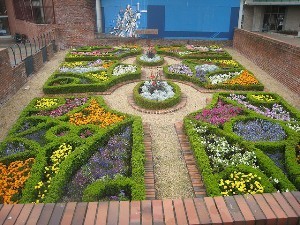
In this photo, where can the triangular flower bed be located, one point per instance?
(246, 143)
(66, 137)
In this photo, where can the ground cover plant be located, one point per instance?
(83, 141)
(89, 76)
(90, 53)
(193, 52)
(214, 74)
(246, 143)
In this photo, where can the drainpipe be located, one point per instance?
(98, 16)
(241, 12)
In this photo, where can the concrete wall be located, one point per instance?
(258, 17)
(292, 18)
(248, 17)
(278, 59)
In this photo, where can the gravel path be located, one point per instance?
(171, 176)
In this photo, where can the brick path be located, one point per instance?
(273, 209)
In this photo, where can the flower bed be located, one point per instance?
(145, 60)
(212, 76)
(156, 94)
(193, 52)
(76, 133)
(90, 53)
(97, 76)
(243, 142)
(13, 177)
(259, 130)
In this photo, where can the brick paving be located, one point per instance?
(196, 179)
(273, 209)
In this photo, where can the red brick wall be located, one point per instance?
(280, 60)
(11, 79)
(31, 30)
(75, 21)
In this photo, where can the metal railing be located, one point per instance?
(20, 51)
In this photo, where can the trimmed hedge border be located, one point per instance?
(93, 87)
(70, 58)
(152, 104)
(265, 163)
(195, 80)
(144, 63)
(83, 149)
(195, 55)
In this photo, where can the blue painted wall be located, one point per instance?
(195, 19)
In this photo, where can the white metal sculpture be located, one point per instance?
(127, 22)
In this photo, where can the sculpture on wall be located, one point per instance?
(127, 23)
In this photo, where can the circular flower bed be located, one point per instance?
(156, 94)
(146, 60)
(259, 130)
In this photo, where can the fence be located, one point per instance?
(21, 60)
(26, 48)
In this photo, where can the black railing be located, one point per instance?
(24, 50)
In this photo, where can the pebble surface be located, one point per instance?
(171, 176)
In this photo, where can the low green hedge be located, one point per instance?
(90, 87)
(110, 55)
(152, 104)
(207, 84)
(260, 148)
(195, 55)
(145, 63)
(265, 182)
(83, 148)
(107, 187)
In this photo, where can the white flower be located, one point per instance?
(220, 78)
(123, 69)
(145, 58)
(164, 92)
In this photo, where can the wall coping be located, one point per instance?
(275, 208)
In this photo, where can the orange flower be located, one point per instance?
(13, 178)
(95, 114)
(245, 78)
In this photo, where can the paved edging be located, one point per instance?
(195, 176)
(149, 167)
(275, 209)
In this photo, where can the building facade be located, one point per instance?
(270, 15)
(79, 20)
(189, 19)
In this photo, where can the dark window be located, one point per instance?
(35, 11)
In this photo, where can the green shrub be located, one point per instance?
(144, 63)
(152, 104)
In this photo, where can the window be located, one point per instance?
(35, 11)
(4, 26)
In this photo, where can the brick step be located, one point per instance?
(275, 209)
